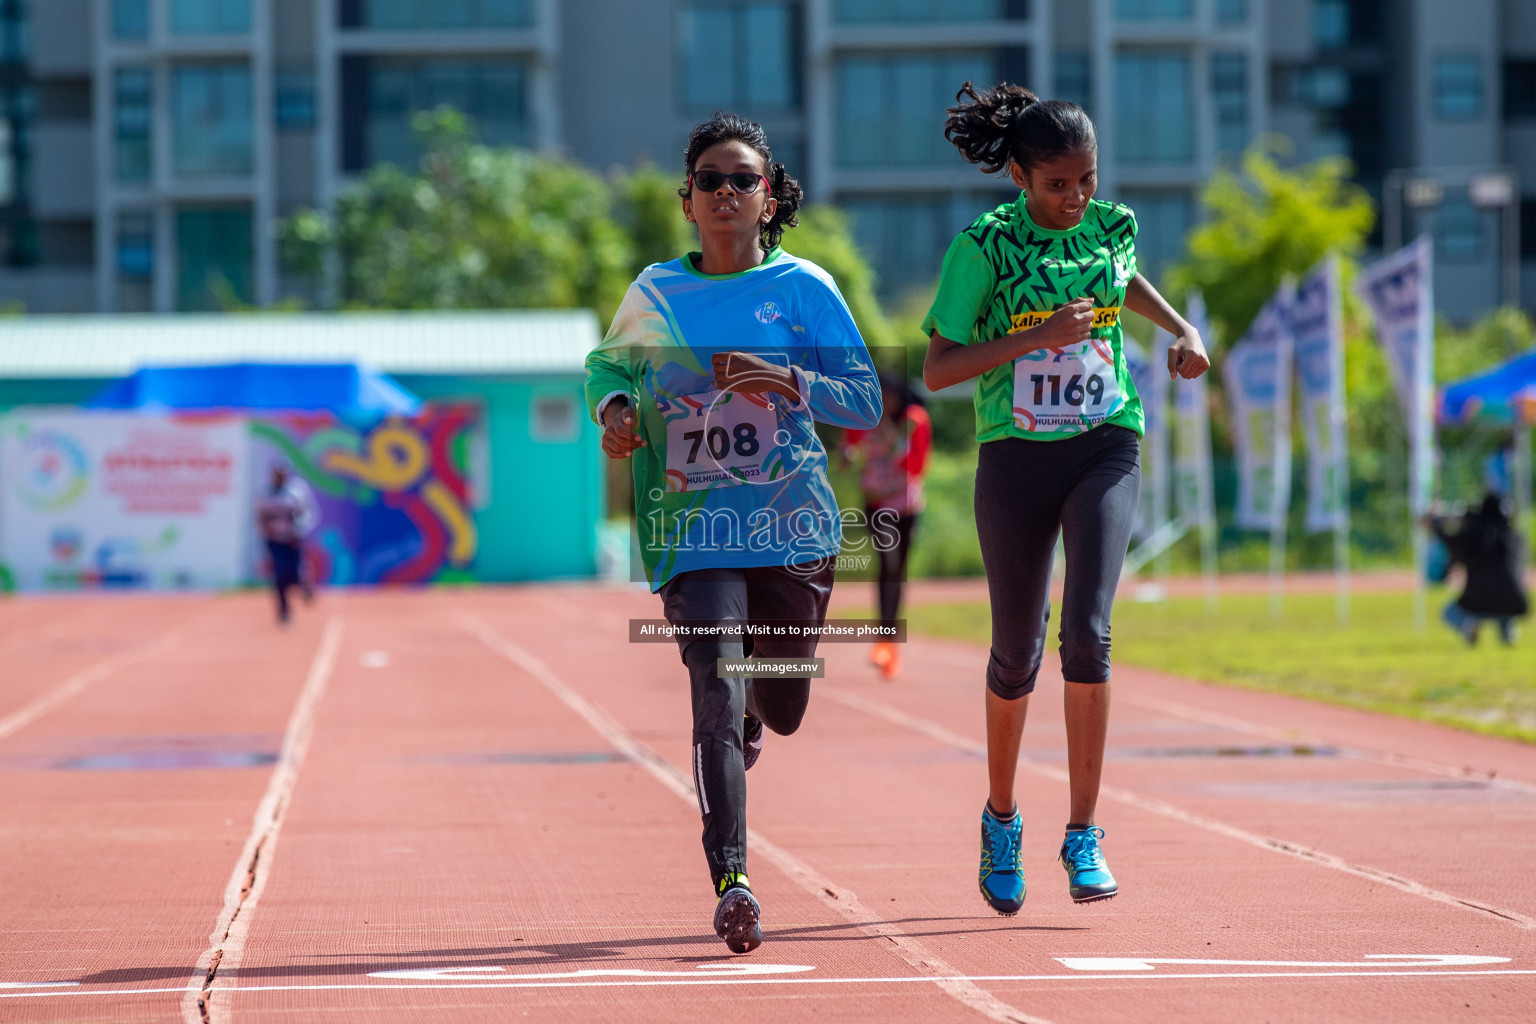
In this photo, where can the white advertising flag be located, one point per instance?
(122, 501)
(1257, 373)
(1150, 378)
(1192, 498)
(1317, 330)
(1400, 293)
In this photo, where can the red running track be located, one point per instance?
(474, 805)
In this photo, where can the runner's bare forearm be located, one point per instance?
(1143, 299)
(949, 363)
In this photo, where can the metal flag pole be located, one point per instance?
(1338, 427)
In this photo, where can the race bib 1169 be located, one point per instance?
(719, 439)
(1066, 390)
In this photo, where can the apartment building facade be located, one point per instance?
(148, 147)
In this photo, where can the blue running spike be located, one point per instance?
(1088, 877)
(1002, 865)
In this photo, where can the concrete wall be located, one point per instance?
(61, 38)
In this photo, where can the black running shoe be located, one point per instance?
(751, 742)
(737, 915)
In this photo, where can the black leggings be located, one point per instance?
(892, 568)
(753, 595)
(1086, 486)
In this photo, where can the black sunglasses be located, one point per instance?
(742, 182)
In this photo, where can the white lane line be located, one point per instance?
(879, 709)
(907, 979)
(254, 867)
(75, 684)
(1175, 709)
(840, 899)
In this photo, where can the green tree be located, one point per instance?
(474, 227)
(1266, 223)
(824, 238)
(651, 213)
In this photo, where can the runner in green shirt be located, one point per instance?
(1029, 303)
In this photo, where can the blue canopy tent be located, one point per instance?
(346, 389)
(1503, 397)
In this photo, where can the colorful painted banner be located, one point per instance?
(122, 500)
(395, 496)
(1316, 319)
(1257, 373)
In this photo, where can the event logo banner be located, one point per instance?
(1317, 330)
(394, 497)
(113, 500)
(1257, 373)
(1400, 292)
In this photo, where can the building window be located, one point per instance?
(15, 41)
(436, 14)
(380, 95)
(743, 56)
(135, 245)
(1519, 90)
(1330, 24)
(209, 17)
(211, 109)
(1459, 231)
(554, 419)
(864, 12)
(130, 19)
(1231, 12)
(18, 229)
(294, 98)
(213, 258)
(1154, 10)
(1229, 88)
(1154, 119)
(18, 109)
(1528, 228)
(1163, 218)
(890, 110)
(1074, 78)
(1458, 88)
(1339, 24)
(131, 95)
(904, 238)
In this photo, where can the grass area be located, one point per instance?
(1378, 662)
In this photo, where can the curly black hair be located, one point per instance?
(727, 127)
(1010, 123)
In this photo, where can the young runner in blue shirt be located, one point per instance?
(711, 379)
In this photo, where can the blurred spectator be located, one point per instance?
(285, 515)
(1487, 548)
(895, 456)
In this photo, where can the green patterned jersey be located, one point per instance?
(1005, 273)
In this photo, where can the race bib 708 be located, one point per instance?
(718, 439)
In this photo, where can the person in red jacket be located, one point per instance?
(895, 457)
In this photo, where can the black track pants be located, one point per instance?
(1085, 486)
(893, 559)
(755, 595)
